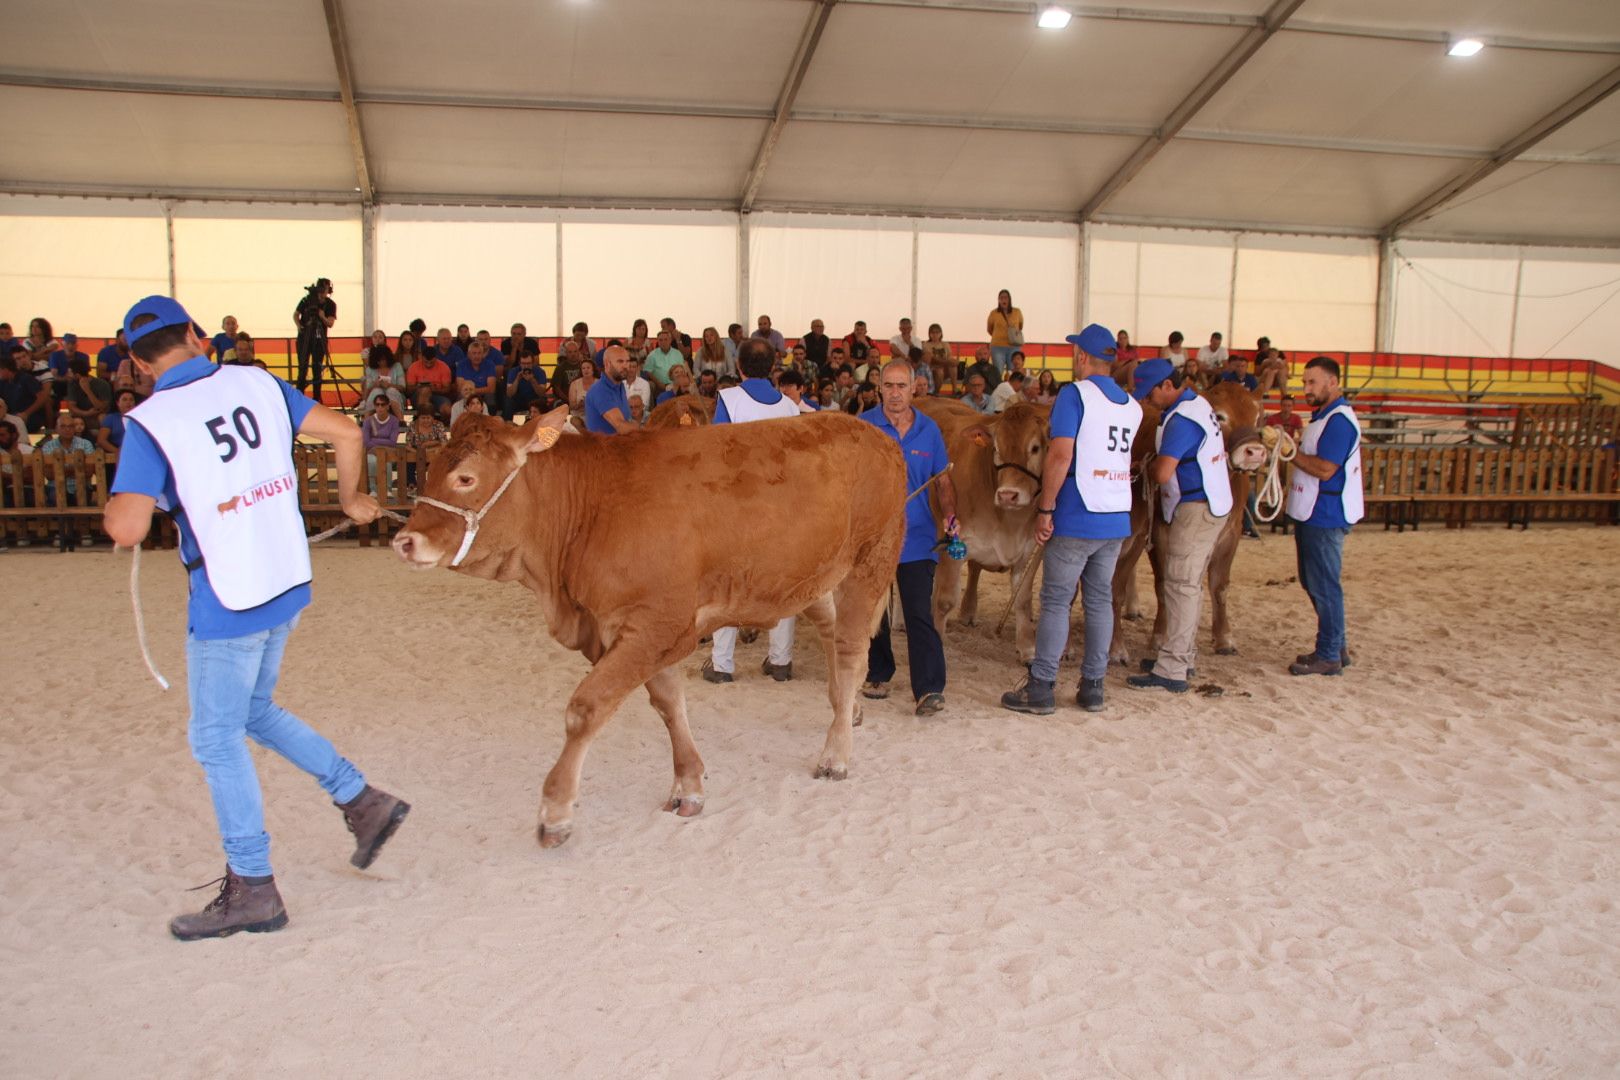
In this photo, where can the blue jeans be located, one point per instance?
(1001, 356)
(1069, 564)
(230, 681)
(1320, 553)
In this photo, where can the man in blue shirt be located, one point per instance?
(1325, 499)
(1237, 370)
(112, 356)
(1083, 518)
(444, 347)
(61, 365)
(1195, 499)
(607, 404)
(233, 655)
(225, 340)
(476, 373)
(923, 445)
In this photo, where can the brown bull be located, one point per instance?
(1238, 412)
(996, 468)
(773, 519)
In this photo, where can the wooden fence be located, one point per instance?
(1566, 427)
(1405, 486)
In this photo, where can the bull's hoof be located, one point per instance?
(860, 714)
(685, 805)
(1226, 650)
(830, 771)
(968, 619)
(551, 836)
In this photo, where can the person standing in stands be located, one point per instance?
(1005, 325)
(213, 447)
(314, 317)
(1325, 500)
(1083, 518)
(224, 341)
(753, 399)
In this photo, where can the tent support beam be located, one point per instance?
(345, 75)
(784, 102)
(1438, 199)
(1200, 96)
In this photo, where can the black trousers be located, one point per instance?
(312, 353)
(925, 651)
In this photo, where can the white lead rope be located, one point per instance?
(1271, 488)
(135, 588)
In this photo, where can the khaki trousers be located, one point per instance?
(1193, 532)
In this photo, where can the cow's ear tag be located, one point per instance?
(685, 420)
(981, 438)
(544, 439)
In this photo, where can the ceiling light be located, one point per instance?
(1053, 18)
(1464, 46)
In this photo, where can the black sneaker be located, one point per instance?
(1032, 696)
(1147, 666)
(1090, 695)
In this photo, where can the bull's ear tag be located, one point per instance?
(981, 438)
(545, 439)
(685, 420)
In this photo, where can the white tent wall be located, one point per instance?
(618, 267)
(488, 268)
(836, 269)
(1150, 282)
(1305, 293)
(961, 266)
(255, 262)
(77, 263)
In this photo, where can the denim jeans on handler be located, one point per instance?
(924, 649)
(1069, 563)
(1321, 557)
(230, 681)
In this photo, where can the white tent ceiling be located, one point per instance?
(1342, 116)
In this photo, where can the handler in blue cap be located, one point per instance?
(1195, 497)
(213, 447)
(1083, 518)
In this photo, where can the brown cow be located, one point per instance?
(996, 467)
(682, 410)
(773, 519)
(1248, 451)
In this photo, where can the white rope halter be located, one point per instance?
(471, 518)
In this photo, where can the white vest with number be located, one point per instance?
(1305, 490)
(1102, 449)
(1210, 456)
(742, 407)
(228, 439)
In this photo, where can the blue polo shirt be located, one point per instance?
(61, 358)
(1338, 439)
(1249, 381)
(143, 470)
(1182, 438)
(452, 357)
(222, 343)
(603, 397)
(760, 390)
(1071, 517)
(924, 450)
(479, 375)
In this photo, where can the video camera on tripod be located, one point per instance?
(311, 310)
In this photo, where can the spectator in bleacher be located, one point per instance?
(607, 404)
(445, 349)
(379, 340)
(12, 420)
(65, 441)
(773, 337)
(639, 343)
(680, 382)
(41, 343)
(683, 342)
(798, 359)
(924, 374)
(580, 387)
(380, 428)
(526, 385)
(112, 356)
(383, 377)
(129, 375)
(426, 432)
(7, 339)
(711, 354)
(1270, 368)
(241, 351)
(858, 346)
(1017, 362)
(569, 360)
(408, 349)
(708, 385)
(1192, 374)
(519, 344)
(581, 336)
(984, 367)
(468, 401)
(1046, 388)
(937, 355)
(867, 396)
(843, 386)
(61, 361)
(1212, 357)
(430, 376)
(976, 397)
(1286, 418)
(661, 359)
(637, 385)
(225, 340)
(464, 338)
(84, 395)
(1005, 325)
(476, 373)
(1126, 357)
(12, 440)
(110, 432)
(25, 397)
(734, 337)
(418, 330)
(1237, 370)
(1175, 351)
(816, 344)
(1010, 391)
(837, 359)
(791, 384)
(901, 345)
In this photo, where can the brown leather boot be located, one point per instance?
(239, 906)
(372, 816)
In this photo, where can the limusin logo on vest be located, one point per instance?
(258, 493)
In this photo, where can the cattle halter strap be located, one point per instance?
(546, 438)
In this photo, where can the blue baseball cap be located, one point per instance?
(1150, 373)
(167, 312)
(1096, 339)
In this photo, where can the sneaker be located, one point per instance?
(875, 691)
(1032, 696)
(1147, 667)
(1314, 665)
(250, 904)
(1090, 695)
(929, 704)
(779, 672)
(1150, 681)
(712, 675)
(372, 816)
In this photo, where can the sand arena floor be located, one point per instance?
(1410, 871)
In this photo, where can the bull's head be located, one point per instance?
(1018, 448)
(1238, 413)
(465, 482)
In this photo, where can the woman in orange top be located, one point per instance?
(1006, 328)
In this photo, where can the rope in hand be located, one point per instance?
(135, 587)
(1271, 488)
